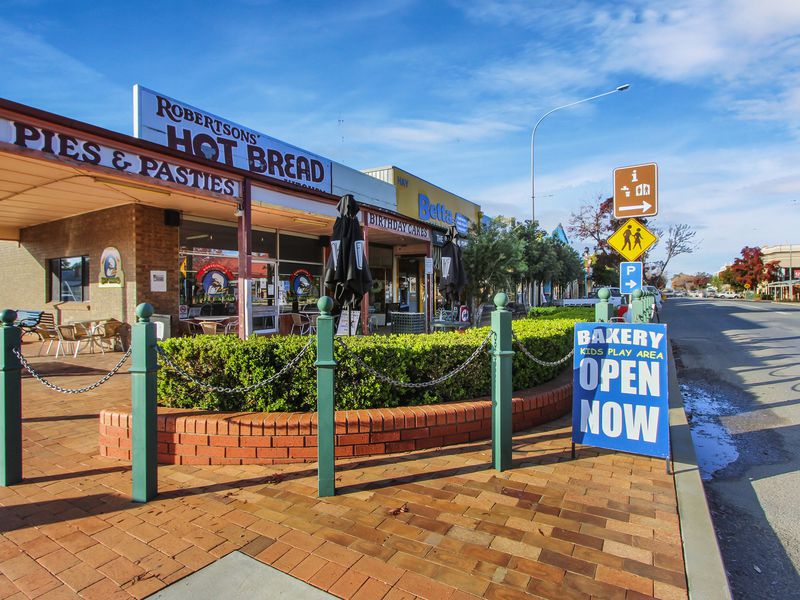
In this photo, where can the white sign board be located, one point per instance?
(163, 120)
(428, 266)
(65, 145)
(158, 281)
(355, 321)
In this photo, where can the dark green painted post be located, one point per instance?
(501, 384)
(144, 370)
(326, 369)
(638, 307)
(603, 310)
(10, 402)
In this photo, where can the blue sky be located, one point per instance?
(451, 90)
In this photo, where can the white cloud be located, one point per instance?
(33, 70)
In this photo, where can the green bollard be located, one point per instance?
(638, 307)
(502, 355)
(326, 370)
(144, 371)
(604, 310)
(10, 402)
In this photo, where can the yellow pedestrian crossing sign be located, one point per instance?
(632, 239)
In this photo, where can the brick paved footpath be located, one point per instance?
(436, 524)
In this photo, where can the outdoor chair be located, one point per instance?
(68, 337)
(46, 336)
(301, 322)
(211, 327)
(231, 326)
(110, 334)
(91, 333)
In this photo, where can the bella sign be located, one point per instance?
(169, 122)
(66, 145)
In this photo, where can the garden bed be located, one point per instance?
(217, 438)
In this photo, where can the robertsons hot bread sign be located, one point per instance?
(175, 124)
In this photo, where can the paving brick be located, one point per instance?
(348, 584)
(121, 570)
(372, 589)
(57, 561)
(327, 575)
(79, 576)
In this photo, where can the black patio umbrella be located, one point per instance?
(453, 278)
(347, 273)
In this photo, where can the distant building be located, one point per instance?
(787, 283)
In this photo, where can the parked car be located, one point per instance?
(656, 294)
(729, 295)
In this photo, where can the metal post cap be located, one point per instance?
(500, 300)
(637, 294)
(144, 311)
(8, 317)
(325, 305)
(604, 293)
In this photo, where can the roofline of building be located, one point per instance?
(421, 179)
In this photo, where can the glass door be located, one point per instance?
(263, 296)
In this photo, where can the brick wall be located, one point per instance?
(156, 250)
(85, 235)
(186, 437)
(137, 231)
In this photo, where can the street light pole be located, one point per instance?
(621, 88)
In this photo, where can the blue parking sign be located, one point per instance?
(620, 398)
(630, 277)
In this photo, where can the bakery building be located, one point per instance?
(199, 216)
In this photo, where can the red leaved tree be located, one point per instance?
(750, 268)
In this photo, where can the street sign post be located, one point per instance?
(630, 277)
(636, 191)
(632, 239)
(620, 397)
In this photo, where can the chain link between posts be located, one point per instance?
(539, 361)
(235, 390)
(29, 368)
(412, 385)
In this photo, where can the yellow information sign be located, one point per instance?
(632, 239)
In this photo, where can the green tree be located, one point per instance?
(494, 259)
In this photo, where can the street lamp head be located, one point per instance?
(624, 87)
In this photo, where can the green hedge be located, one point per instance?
(577, 313)
(230, 362)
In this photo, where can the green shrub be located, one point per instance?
(576, 313)
(230, 362)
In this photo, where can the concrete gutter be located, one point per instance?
(705, 571)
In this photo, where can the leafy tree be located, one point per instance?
(750, 268)
(700, 280)
(727, 277)
(569, 266)
(494, 258)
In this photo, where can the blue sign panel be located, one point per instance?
(630, 277)
(462, 224)
(620, 398)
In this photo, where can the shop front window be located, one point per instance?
(300, 272)
(69, 279)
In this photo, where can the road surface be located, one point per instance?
(739, 368)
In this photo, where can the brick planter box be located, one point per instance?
(188, 436)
